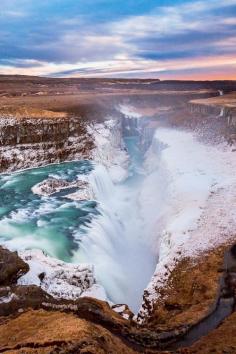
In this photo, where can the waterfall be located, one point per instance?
(116, 242)
(103, 187)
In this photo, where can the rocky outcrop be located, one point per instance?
(216, 119)
(204, 109)
(197, 299)
(190, 292)
(34, 142)
(12, 267)
(59, 279)
(51, 186)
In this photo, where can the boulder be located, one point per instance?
(11, 267)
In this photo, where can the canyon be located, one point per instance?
(135, 218)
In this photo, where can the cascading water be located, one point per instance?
(116, 241)
(102, 184)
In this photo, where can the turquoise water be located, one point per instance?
(48, 223)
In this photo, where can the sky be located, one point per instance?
(164, 39)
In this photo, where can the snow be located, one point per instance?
(59, 279)
(8, 298)
(192, 192)
(81, 194)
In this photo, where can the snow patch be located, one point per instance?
(59, 279)
(8, 298)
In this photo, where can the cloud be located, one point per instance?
(12, 14)
(110, 38)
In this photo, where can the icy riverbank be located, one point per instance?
(192, 192)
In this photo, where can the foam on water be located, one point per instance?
(29, 221)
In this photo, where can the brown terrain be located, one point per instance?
(36, 113)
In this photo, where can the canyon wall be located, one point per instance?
(34, 142)
(220, 116)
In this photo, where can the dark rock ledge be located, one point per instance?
(17, 301)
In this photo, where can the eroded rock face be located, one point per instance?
(35, 142)
(16, 299)
(11, 267)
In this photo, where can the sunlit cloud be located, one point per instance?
(64, 39)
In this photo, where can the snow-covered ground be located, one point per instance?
(192, 192)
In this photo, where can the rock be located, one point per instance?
(12, 267)
(53, 185)
(123, 310)
(20, 298)
(33, 142)
(59, 279)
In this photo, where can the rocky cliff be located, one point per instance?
(33, 142)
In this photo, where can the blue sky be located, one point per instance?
(132, 38)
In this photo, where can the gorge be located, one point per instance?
(118, 208)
